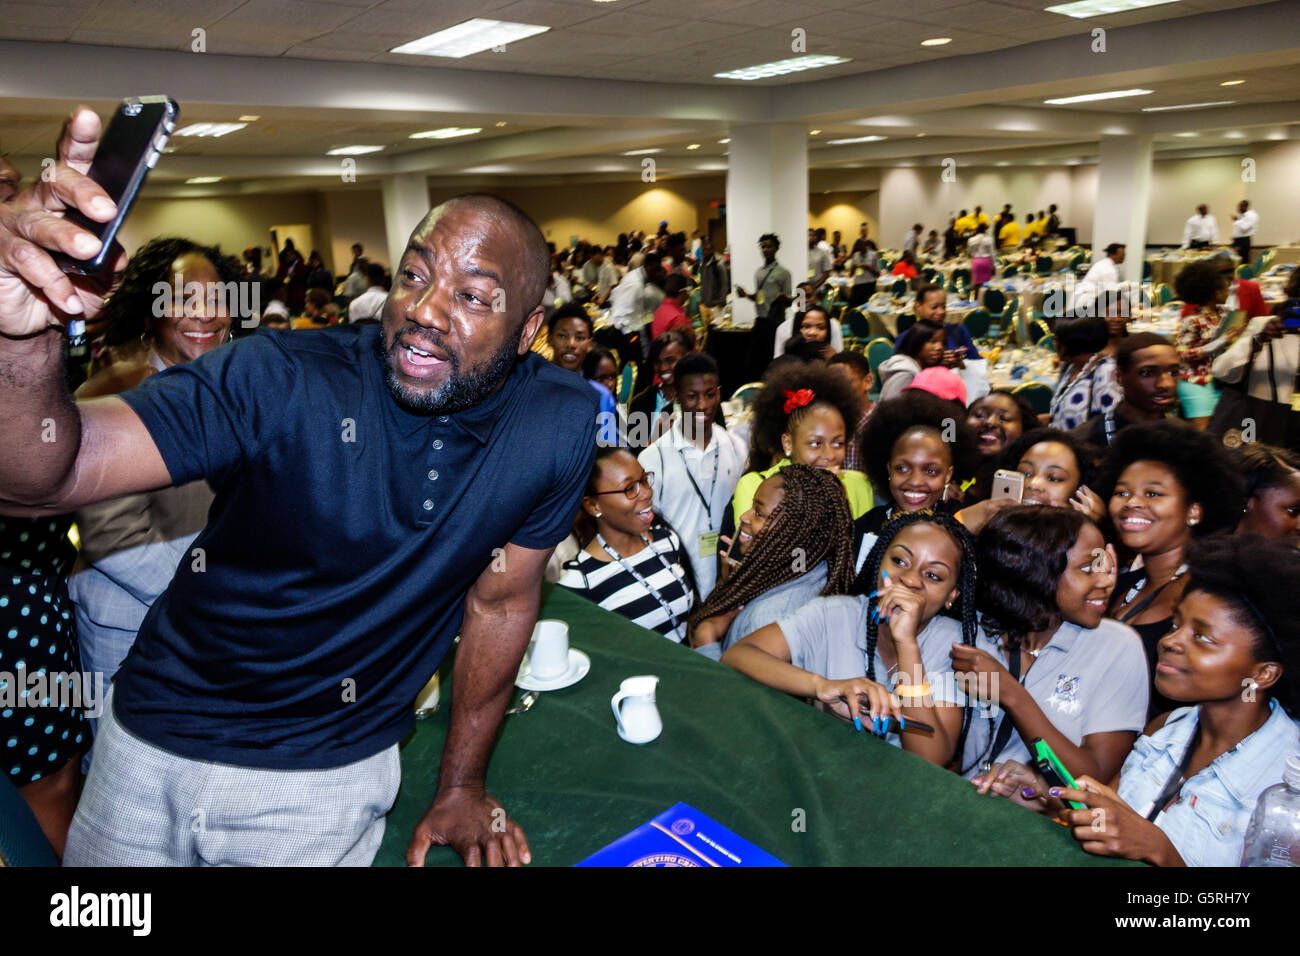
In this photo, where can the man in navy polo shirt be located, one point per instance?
(378, 490)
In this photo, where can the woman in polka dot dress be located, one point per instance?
(42, 733)
(1087, 385)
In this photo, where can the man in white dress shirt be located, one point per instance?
(1244, 223)
(1201, 230)
(1102, 278)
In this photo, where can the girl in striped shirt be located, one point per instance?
(632, 563)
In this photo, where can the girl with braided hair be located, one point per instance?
(796, 545)
(882, 650)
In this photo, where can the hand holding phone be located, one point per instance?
(1008, 485)
(34, 292)
(127, 151)
(1053, 771)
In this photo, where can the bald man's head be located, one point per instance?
(530, 260)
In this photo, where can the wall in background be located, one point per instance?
(233, 222)
(354, 215)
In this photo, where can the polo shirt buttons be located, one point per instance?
(428, 504)
(433, 474)
(437, 444)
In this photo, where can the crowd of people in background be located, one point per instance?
(847, 544)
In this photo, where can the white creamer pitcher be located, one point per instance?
(638, 717)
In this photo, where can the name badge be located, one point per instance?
(709, 544)
(758, 297)
(1295, 402)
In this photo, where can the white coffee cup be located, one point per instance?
(548, 656)
(638, 719)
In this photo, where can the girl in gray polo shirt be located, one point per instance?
(883, 649)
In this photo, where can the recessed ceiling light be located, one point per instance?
(936, 41)
(1096, 8)
(447, 132)
(1232, 82)
(1235, 134)
(353, 150)
(856, 139)
(470, 37)
(693, 146)
(249, 119)
(1187, 134)
(642, 152)
(919, 135)
(1089, 97)
(1184, 106)
(781, 67)
(814, 132)
(500, 123)
(724, 141)
(199, 180)
(209, 129)
(1003, 163)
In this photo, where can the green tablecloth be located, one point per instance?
(746, 755)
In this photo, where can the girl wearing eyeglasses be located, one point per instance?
(631, 562)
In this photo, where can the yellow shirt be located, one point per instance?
(983, 220)
(1009, 236)
(856, 486)
(302, 322)
(964, 225)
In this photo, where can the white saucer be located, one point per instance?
(579, 664)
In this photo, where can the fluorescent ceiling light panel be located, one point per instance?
(199, 180)
(1232, 82)
(1089, 97)
(470, 37)
(1099, 8)
(856, 139)
(353, 150)
(448, 132)
(209, 129)
(727, 140)
(249, 119)
(936, 41)
(642, 152)
(693, 146)
(781, 67)
(1184, 106)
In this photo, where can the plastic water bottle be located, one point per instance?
(1273, 837)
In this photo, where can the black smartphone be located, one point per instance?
(127, 151)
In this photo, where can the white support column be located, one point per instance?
(767, 191)
(1123, 196)
(406, 202)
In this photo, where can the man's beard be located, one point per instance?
(461, 390)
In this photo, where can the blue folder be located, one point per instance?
(681, 836)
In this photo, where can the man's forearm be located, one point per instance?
(39, 429)
(492, 644)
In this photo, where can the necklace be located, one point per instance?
(1136, 588)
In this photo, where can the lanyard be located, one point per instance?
(654, 592)
(1006, 725)
(765, 276)
(707, 502)
(1147, 601)
(1176, 779)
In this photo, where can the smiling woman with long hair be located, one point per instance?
(1060, 670)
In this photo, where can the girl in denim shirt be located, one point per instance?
(1185, 794)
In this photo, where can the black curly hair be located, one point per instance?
(1259, 578)
(915, 408)
(769, 420)
(130, 308)
(1199, 281)
(570, 310)
(916, 338)
(968, 576)
(1085, 456)
(1022, 552)
(1198, 460)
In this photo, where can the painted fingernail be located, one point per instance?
(1055, 791)
(1027, 793)
(857, 722)
(875, 725)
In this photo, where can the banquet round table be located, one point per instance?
(795, 781)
